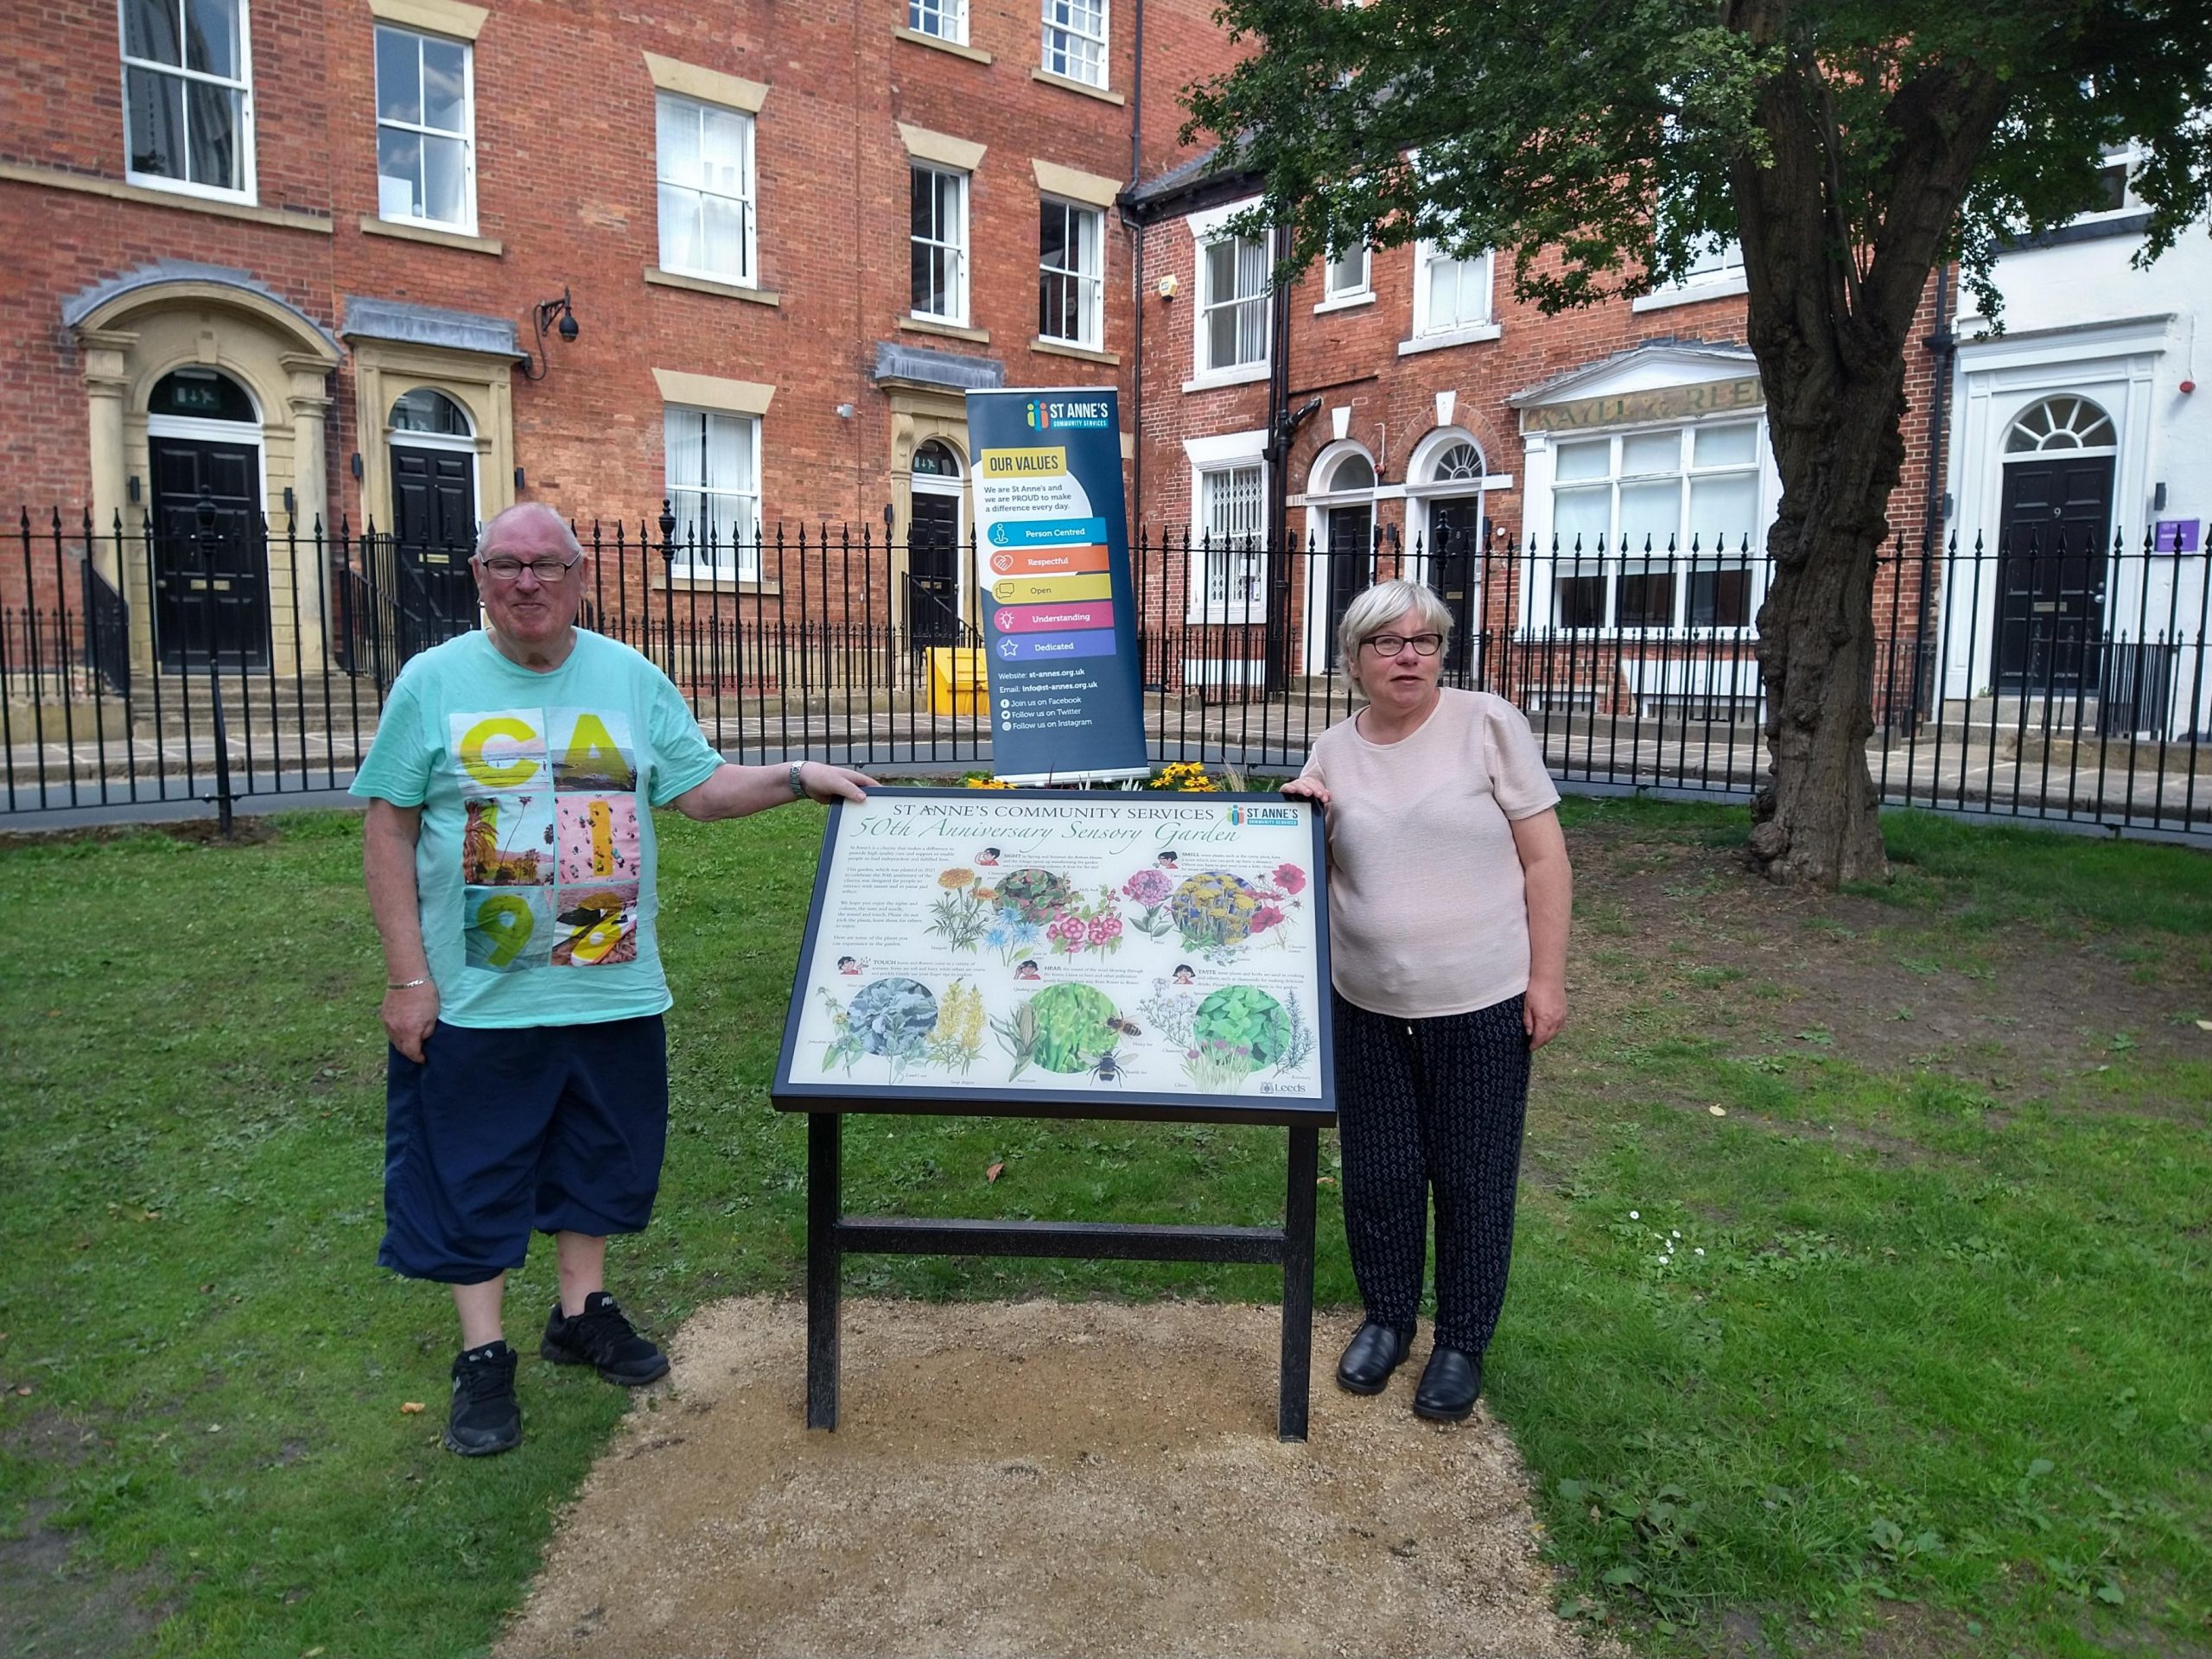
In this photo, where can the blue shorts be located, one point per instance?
(556, 1129)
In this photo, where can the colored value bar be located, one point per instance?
(1038, 618)
(1047, 561)
(1051, 590)
(1046, 532)
(1045, 647)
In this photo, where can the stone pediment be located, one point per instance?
(1659, 380)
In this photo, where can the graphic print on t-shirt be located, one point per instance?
(551, 850)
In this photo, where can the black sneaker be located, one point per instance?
(486, 1416)
(600, 1336)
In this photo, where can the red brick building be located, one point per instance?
(1600, 481)
(407, 261)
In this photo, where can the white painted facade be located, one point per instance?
(2081, 321)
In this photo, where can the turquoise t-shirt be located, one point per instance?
(533, 869)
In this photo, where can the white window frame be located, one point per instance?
(466, 225)
(748, 200)
(950, 16)
(2127, 156)
(1336, 297)
(1430, 333)
(1065, 26)
(1719, 274)
(1221, 455)
(1612, 561)
(957, 247)
(243, 85)
(1089, 310)
(1208, 229)
(743, 553)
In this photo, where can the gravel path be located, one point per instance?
(1037, 1479)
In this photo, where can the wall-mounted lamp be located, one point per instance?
(291, 506)
(1169, 288)
(844, 411)
(543, 317)
(357, 466)
(519, 483)
(133, 489)
(2159, 496)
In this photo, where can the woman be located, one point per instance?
(1448, 897)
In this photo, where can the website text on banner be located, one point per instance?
(1059, 620)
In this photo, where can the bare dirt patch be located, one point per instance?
(1039, 1479)
(1887, 987)
(59, 1606)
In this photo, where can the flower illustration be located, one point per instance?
(1265, 916)
(1148, 887)
(1104, 928)
(956, 878)
(1290, 879)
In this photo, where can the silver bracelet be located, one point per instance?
(798, 789)
(403, 984)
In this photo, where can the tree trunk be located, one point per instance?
(1815, 819)
(1840, 447)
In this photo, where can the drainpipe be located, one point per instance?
(1944, 343)
(1137, 277)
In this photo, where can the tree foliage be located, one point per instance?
(1852, 145)
(1553, 128)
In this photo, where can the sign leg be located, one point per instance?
(1298, 1284)
(824, 1208)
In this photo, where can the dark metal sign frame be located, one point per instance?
(831, 1235)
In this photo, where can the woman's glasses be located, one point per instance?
(1390, 644)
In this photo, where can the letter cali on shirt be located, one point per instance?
(534, 870)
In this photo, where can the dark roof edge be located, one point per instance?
(1205, 180)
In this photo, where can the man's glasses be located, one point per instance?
(549, 572)
(1390, 644)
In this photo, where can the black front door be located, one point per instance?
(1455, 547)
(2051, 584)
(211, 585)
(1351, 546)
(434, 531)
(933, 571)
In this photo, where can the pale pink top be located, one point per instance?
(1428, 912)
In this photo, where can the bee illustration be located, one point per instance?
(1127, 1027)
(548, 835)
(1107, 1068)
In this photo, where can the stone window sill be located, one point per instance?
(372, 225)
(1456, 337)
(1733, 288)
(1047, 77)
(1062, 348)
(660, 278)
(958, 49)
(948, 330)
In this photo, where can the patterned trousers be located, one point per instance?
(1426, 1104)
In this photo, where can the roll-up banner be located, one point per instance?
(1059, 616)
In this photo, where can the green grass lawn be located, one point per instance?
(1927, 1369)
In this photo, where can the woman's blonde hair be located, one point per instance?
(1378, 607)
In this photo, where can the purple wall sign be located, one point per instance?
(2175, 535)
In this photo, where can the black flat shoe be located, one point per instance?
(1373, 1353)
(1449, 1385)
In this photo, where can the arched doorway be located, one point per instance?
(1342, 489)
(433, 451)
(1447, 474)
(209, 556)
(2054, 525)
(934, 538)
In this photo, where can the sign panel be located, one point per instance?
(1659, 404)
(1059, 618)
(1085, 955)
(2175, 535)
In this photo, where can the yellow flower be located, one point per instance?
(956, 878)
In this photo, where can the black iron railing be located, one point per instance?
(2066, 681)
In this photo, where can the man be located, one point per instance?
(509, 852)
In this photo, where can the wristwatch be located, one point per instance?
(798, 789)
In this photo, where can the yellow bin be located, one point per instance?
(956, 681)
